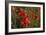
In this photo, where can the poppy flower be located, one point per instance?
(36, 17)
(21, 14)
(25, 21)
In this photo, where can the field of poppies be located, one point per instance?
(25, 17)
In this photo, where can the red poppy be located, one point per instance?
(36, 17)
(25, 22)
(21, 14)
